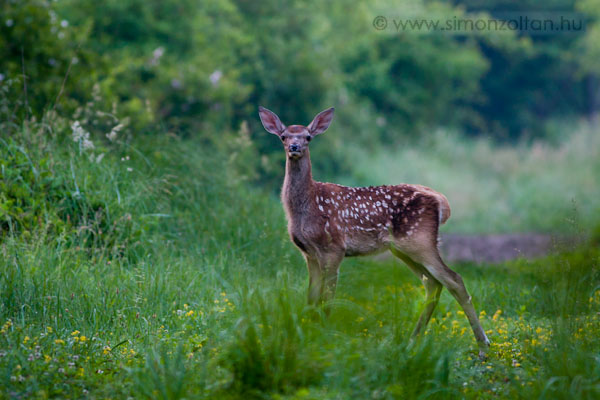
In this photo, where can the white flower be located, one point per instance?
(82, 136)
(215, 77)
(112, 135)
(156, 55)
(87, 144)
(78, 131)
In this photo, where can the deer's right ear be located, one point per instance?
(270, 121)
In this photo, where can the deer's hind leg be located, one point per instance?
(454, 282)
(433, 290)
(425, 252)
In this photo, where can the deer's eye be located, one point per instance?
(308, 138)
(283, 137)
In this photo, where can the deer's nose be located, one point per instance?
(294, 147)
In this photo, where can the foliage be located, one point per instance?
(27, 191)
(39, 48)
(193, 67)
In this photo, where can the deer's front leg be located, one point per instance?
(330, 265)
(315, 280)
(323, 275)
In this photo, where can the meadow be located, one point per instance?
(153, 268)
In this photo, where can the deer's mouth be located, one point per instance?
(294, 154)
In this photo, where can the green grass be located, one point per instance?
(159, 274)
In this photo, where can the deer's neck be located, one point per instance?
(298, 186)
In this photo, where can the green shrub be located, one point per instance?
(31, 196)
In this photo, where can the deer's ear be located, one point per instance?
(270, 121)
(321, 122)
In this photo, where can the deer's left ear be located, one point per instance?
(321, 122)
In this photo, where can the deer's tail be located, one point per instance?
(443, 209)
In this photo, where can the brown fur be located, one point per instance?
(326, 217)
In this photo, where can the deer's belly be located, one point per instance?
(365, 244)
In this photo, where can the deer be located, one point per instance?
(328, 222)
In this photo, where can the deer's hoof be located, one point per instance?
(483, 355)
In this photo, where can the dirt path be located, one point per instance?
(500, 247)
(496, 248)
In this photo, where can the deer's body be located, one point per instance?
(358, 220)
(328, 222)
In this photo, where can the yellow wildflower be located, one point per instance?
(189, 313)
(496, 315)
(106, 350)
(6, 326)
(25, 339)
(75, 333)
(59, 341)
(49, 329)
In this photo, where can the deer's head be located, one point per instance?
(295, 138)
